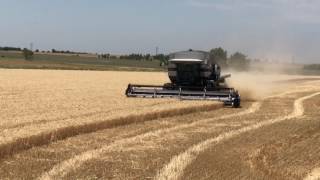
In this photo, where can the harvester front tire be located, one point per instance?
(236, 103)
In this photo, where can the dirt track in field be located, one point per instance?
(273, 136)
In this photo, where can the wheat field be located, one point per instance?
(80, 125)
(44, 103)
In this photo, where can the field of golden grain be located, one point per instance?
(37, 103)
(80, 125)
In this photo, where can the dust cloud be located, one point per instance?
(263, 79)
(254, 85)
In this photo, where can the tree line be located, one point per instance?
(6, 48)
(138, 57)
(236, 60)
(65, 51)
(27, 54)
(312, 67)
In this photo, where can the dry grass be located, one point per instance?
(284, 150)
(38, 106)
(174, 169)
(65, 167)
(314, 175)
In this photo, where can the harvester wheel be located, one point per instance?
(236, 102)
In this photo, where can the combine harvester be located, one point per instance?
(193, 76)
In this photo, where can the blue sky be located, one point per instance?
(268, 29)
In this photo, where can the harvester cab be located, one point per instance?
(193, 68)
(194, 76)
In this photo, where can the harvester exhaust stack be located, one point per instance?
(193, 77)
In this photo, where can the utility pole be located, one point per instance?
(31, 46)
(157, 50)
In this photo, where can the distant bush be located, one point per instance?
(27, 54)
(164, 59)
(239, 61)
(10, 49)
(104, 56)
(132, 56)
(219, 55)
(147, 57)
(312, 67)
(66, 52)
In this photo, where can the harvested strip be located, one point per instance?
(63, 168)
(14, 145)
(175, 168)
(81, 115)
(314, 175)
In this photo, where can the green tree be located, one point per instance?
(239, 61)
(164, 59)
(219, 55)
(27, 54)
(148, 57)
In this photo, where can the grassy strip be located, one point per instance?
(14, 60)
